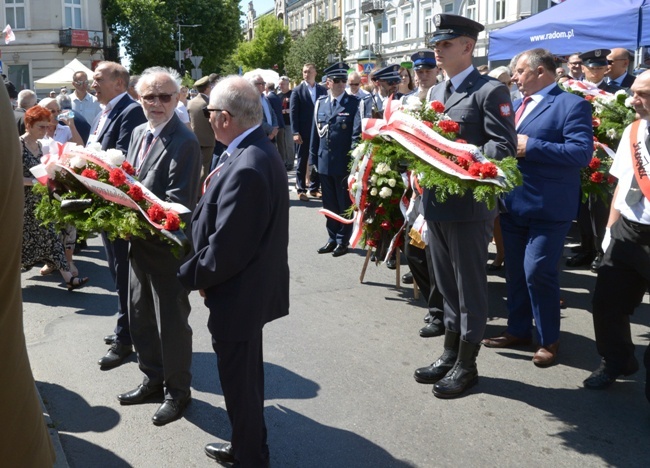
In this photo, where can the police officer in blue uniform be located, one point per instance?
(387, 81)
(336, 129)
(426, 70)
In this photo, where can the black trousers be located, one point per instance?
(241, 372)
(623, 278)
(117, 255)
(419, 261)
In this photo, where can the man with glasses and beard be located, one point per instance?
(337, 128)
(167, 158)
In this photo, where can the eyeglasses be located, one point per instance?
(610, 62)
(338, 80)
(80, 83)
(207, 110)
(151, 98)
(260, 83)
(392, 82)
(575, 63)
(355, 84)
(55, 111)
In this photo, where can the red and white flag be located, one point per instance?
(9, 34)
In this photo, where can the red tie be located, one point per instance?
(521, 109)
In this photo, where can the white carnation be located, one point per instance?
(373, 192)
(358, 151)
(95, 147)
(373, 179)
(611, 133)
(382, 168)
(77, 162)
(412, 103)
(392, 182)
(114, 157)
(385, 192)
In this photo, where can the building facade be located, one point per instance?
(49, 34)
(383, 32)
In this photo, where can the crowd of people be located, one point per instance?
(225, 152)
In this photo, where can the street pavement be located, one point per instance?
(339, 378)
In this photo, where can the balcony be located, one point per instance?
(372, 7)
(81, 39)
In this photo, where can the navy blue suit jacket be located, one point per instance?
(122, 119)
(560, 143)
(344, 131)
(301, 109)
(240, 231)
(276, 105)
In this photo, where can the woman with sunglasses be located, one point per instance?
(40, 243)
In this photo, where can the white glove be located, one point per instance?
(607, 239)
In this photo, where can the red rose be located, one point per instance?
(427, 123)
(595, 122)
(156, 213)
(385, 225)
(380, 210)
(460, 140)
(135, 192)
(611, 179)
(172, 222)
(437, 106)
(371, 243)
(128, 168)
(90, 173)
(597, 177)
(464, 161)
(489, 170)
(594, 164)
(117, 177)
(448, 126)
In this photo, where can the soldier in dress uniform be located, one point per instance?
(336, 129)
(426, 70)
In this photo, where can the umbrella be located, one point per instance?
(269, 76)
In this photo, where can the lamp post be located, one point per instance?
(179, 39)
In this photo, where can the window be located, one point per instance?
(428, 20)
(309, 20)
(365, 35)
(543, 5)
(15, 13)
(19, 76)
(302, 20)
(392, 28)
(351, 38)
(327, 11)
(449, 8)
(72, 14)
(350, 4)
(407, 26)
(335, 9)
(378, 30)
(319, 14)
(499, 10)
(470, 9)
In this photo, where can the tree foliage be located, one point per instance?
(269, 47)
(148, 30)
(322, 43)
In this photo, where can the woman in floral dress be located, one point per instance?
(40, 243)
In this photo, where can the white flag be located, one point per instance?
(9, 34)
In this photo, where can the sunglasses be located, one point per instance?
(392, 82)
(575, 63)
(611, 62)
(260, 83)
(355, 84)
(338, 80)
(151, 98)
(207, 110)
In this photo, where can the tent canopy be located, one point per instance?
(574, 26)
(269, 76)
(63, 76)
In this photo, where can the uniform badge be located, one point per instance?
(597, 52)
(505, 110)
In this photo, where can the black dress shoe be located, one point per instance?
(432, 329)
(220, 452)
(170, 410)
(596, 263)
(391, 263)
(327, 248)
(141, 394)
(340, 250)
(581, 259)
(407, 278)
(117, 353)
(110, 339)
(603, 377)
(428, 318)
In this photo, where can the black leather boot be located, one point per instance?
(463, 375)
(437, 370)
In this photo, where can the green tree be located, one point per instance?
(148, 29)
(269, 47)
(322, 43)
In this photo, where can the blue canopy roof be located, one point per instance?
(575, 26)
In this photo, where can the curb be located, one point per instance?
(61, 461)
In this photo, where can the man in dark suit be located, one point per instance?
(269, 117)
(461, 228)
(200, 125)
(167, 159)
(25, 100)
(336, 130)
(276, 105)
(240, 230)
(301, 108)
(555, 140)
(112, 129)
(619, 62)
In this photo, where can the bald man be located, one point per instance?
(618, 63)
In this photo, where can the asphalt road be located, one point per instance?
(339, 378)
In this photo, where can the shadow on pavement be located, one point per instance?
(89, 454)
